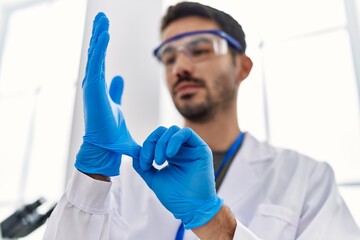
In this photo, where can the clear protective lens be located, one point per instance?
(195, 47)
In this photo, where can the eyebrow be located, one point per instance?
(200, 39)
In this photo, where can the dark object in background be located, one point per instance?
(24, 220)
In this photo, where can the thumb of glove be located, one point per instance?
(116, 89)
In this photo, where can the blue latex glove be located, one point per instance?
(106, 135)
(186, 186)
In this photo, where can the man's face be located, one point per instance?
(202, 88)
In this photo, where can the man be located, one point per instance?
(273, 193)
(185, 187)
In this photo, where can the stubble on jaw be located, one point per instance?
(207, 110)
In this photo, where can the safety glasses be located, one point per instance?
(197, 46)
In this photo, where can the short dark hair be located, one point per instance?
(187, 9)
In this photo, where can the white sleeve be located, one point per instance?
(86, 211)
(243, 233)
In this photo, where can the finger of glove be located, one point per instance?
(94, 86)
(101, 24)
(116, 89)
(96, 63)
(188, 154)
(184, 136)
(162, 144)
(148, 150)
(96, 19)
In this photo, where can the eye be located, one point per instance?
(168, 60)
(200, 51)
(168, 56)
(200, 47)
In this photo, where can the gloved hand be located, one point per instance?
(186, 186)
(106, 135)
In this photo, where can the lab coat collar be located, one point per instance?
(253, 150)
(246, 170)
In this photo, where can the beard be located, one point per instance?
(206, 110)
(199, 113)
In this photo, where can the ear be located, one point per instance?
(244, 66)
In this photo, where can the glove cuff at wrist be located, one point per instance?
(95, 160)
(203, 214)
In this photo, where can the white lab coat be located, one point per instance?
(273, 193)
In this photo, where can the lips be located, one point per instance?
(185, 88)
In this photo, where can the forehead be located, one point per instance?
(187, 24)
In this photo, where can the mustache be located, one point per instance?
(188, 78)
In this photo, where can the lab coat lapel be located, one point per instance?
(251, 161)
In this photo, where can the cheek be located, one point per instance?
(219, 76)
(169, 81)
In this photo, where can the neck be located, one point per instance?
(220, 132)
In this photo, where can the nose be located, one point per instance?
(182, 65)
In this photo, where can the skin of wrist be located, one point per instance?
(221, 226)
(99, 177)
